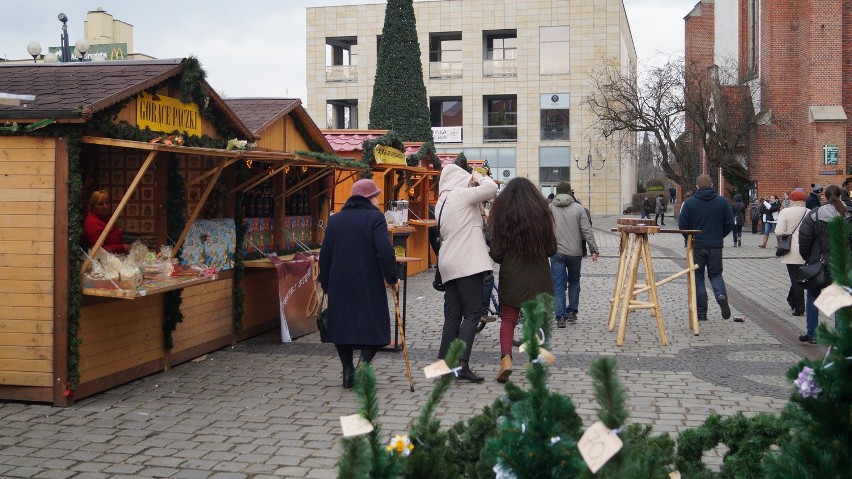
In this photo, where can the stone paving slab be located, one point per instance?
(265, 409)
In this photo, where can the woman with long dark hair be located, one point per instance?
(813, 246)
(522, 241)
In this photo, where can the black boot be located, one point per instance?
(467, 374)
(345, 355)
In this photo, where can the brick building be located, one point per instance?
(795, 60)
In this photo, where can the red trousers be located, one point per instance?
(508, 321)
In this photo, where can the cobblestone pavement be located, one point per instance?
(266, 409)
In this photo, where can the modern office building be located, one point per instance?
(505, 82)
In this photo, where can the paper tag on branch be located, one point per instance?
(832, 298)
(438, 368)
(546, 355)
(598, 445)
(355, 425)
(674, 475)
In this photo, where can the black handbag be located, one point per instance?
(438, 283)
(785, 242)
(322, 321)
(812, 276)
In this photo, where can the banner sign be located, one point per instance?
(447, 134)
(101, 51)
(167, 114)
(297, 295)
(389, 156)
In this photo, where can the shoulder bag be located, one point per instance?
(813, 276)
(322, 320)
(438, 283)
(785, 242)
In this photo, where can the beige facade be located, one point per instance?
(509, 76)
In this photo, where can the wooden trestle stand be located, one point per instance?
(634, 249)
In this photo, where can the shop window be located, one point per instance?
(501, 118)
(554, 116)
(553, 50)
(500, 48)
(445, 55)
(341, 114)
(341, 59)
(446, 118)
(554, 164)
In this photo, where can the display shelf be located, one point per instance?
(150, 287)
(428, 223)
(266, 263)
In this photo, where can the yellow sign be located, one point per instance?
(167, 114)
(388, 155)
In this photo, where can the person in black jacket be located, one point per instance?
(356, 260)
(814, 247)
(710, 213)
(754, 216)
(813, 197)
(738, 208)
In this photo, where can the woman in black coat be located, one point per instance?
(739, 209)
(356, 260)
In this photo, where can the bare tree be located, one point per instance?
(687, 111)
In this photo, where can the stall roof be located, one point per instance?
(74, 91)
(350, 140)
(260, 113)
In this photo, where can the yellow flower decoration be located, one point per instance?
(401, 445)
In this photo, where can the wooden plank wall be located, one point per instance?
(27, 169)
(208, 318)
(260, 306)
(117, 335)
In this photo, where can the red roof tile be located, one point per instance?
(350, 140)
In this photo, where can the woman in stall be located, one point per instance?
(356, 260)
(96, 221)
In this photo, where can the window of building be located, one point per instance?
(340, 59)
(553, 50)
(447, 120)
(555, 116)
(341, 114)
(500, 53)
(501, 118)
(554, 164)
(445, 55)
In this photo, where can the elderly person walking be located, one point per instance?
(356, 260)
(789, 222)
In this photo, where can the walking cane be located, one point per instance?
(402, 334)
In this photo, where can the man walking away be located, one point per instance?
(572, 228)
(710, 213)
(660, 211)
(672, 194)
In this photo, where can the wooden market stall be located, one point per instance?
(301, 192)
(167, 148)
(415, 184)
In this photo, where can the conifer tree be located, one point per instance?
(399, 95)
(820, 409)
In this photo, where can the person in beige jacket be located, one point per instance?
(789, 222)
(463, 258)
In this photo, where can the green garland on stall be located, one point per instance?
(391, 139)
(75, 260)
(176, 222)
(426, 150)
(333, 159)
(238, 292)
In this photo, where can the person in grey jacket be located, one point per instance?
(464, 259)
(660, 211)
(572, 228)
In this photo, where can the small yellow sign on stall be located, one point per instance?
(167, 114)
(388, 156)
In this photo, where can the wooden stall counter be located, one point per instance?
(169, 283)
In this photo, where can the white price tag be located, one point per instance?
(832, 298)
(438, 368)
(355, 425)
(598, 445)
(674, 475)
(546, 355)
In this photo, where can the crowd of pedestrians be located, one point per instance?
(539, 244)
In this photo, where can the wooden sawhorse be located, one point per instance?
(635, 249)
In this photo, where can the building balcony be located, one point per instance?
(500, 68)
(500, 133)
(341, 73)
(445, 69)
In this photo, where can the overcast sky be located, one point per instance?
(255, 48)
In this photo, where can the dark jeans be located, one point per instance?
(709, 259)
(565, 271)
(811, 312)
(738, 234)
(462, 309)
(796, 294)
(754, 226)
(660, 218)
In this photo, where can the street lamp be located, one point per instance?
(66, 48)
(589, 166)
(81, 47)
(34, 49)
